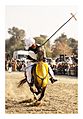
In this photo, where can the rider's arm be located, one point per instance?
(30, 58)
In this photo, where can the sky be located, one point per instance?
(45, 20)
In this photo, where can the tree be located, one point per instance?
(74, 45)
(17, 34)
(63, 45)
(40, 40)
(15, 42)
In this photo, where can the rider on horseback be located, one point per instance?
(34, 56)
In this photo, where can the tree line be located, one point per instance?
(61, 45)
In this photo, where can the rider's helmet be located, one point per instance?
(30, 42)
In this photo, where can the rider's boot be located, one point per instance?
(53, 80)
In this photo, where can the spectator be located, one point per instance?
(9, 66)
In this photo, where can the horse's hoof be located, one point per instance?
(37, 103)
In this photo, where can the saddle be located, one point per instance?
(40, 73)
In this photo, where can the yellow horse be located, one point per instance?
(41, 78)
(40, 75)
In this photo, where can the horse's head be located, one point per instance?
(40, 55)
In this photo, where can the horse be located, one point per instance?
(41, 77)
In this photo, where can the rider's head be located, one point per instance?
(30, 42)
(35, 48)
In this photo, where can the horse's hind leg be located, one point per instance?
(42, 94)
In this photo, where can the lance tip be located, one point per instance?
(73, 15)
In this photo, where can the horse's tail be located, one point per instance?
(22, 82)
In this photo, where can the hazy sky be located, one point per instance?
(45, 20)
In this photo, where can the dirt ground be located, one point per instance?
(60, 97)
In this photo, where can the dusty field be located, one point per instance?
(60, 97)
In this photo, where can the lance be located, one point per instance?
(72, 16)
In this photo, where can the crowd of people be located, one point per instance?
(14, 65)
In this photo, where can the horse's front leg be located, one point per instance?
(42, 94)
(35, 92)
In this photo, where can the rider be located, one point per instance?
(33, 50)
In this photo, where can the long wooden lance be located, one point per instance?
(72, 16)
